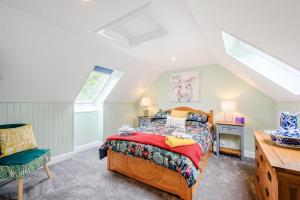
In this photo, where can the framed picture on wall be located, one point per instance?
(185, 86)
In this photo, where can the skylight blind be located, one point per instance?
(103, 70)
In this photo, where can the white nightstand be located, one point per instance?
(231, 128)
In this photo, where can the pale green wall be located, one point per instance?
(115, 114)
(86, 128)
(217, 83)
(286, 106)
(52, 122)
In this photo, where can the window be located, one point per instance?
(137, 27)
(279, 72)
(94, 84)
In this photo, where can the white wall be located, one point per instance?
(216, 84)
(115, 114)
(86, 128)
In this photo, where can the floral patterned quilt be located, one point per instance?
(202, 135)
(168, 159)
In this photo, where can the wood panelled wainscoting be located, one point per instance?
(277, 172)
(52, 122)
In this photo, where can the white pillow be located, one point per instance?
(176, 122)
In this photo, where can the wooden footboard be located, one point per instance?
(153, 174)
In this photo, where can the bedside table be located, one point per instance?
(231, 128)
(144, 121)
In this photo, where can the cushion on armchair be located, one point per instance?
(23, 163)
(23, 157)
(13, 140)
(5, 126)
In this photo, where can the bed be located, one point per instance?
(168, 171)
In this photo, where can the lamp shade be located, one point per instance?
(228, 105)
(145, 101)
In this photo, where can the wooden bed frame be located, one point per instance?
(156, 175)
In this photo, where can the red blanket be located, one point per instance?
(193, 151)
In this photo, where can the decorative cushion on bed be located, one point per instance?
(162, 115)
(177, 122)
(158, 122)
(179, 113)
(192, 116)
(195, 124)
(13, 140)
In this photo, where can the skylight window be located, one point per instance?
(137, 27)
(275, 70)
(94, 84)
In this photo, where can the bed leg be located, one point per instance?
(109, 160)
(189, 195)
(186, 192)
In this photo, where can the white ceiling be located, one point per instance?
(49, 47)
(86, 17)
(272, 26)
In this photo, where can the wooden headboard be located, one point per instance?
(209, 114)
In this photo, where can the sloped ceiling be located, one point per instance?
(272, 26)
(48, 48)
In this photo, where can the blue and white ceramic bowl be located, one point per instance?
(283, 137)
(288, 134)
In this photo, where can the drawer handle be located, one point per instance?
(256, 147)
(267, 192)
(257, 177)
(269, 176)
(231, 129)
(261, 158)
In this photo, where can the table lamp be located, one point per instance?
(146, 102)
(228, 106)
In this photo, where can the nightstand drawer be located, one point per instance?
(144, 121)
(229, 129)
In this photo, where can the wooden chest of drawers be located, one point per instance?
(277, 171)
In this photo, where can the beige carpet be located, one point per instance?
(84, 177)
